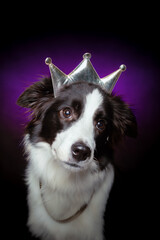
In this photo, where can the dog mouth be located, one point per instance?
(72, 165)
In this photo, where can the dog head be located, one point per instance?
(82, 124)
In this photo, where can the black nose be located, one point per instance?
(80, 151)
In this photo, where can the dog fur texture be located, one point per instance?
(69, 142)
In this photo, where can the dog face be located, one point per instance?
(81, 124)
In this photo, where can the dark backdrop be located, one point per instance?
(114, 34)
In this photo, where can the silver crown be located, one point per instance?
(84, 72)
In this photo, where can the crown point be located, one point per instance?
(87, 56)
(48, 61)
(123, 67)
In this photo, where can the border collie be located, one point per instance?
(69, 143)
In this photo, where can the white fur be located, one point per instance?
(81, 130)
(63, 190)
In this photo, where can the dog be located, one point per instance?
(70, 142)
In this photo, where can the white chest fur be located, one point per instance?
(63, 194)
(61, 206)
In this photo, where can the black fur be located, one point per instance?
(46, 122)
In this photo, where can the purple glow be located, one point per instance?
(24, 64)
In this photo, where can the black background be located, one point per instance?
(131, 210)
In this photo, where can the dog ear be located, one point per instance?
(33, 95)
(124, 121)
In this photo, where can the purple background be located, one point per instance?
(130, 210)
(139, 85)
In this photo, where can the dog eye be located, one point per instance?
(101, 124)
(66, 113)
